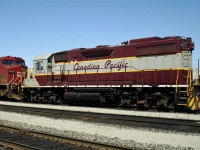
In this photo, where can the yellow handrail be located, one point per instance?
(189, 79)
(197, 78)
(187, 87)
(177, 81)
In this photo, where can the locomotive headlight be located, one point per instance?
(11, 71)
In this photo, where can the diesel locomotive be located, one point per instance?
(148, 72)
(12, 73)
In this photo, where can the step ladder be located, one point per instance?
(183, 94)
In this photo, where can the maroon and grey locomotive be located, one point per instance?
(148, 72)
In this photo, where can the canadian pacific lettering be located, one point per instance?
(119, 65)
(77, 66)
(108, 65)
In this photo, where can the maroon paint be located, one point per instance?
(153, 78)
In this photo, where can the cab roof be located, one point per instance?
(42, 57)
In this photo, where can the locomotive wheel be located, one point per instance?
(143, 105)
(162, 103)
(58, 101)
(33, 98)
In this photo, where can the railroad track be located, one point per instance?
(38, 141)
(9, 145)
(178, 125)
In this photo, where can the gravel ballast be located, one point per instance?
(109, 111)
(128, 137)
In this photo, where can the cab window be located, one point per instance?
(8, 62)
(21, 63)
(49, 64)
(39, 65)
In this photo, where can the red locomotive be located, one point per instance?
(12, 74)
(148, 72)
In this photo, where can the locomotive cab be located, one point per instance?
(41, 66)
(41, 86)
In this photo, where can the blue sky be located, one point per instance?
(32, 27)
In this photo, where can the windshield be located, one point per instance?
(21, 63)
(8, 62)
(12, 62)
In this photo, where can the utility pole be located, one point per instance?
(198, 68)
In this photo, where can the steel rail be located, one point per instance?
(179, 125)
(65, 140)
(6, 144)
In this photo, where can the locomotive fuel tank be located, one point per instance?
(91, 98)
(94, 90)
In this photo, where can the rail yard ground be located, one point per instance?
(114, 134)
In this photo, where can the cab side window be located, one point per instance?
(39, 65)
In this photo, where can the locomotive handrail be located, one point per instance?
(63, 69)
(126, 69)
(196, 77)
(14, 81)
(9, 83)
(11, 79)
